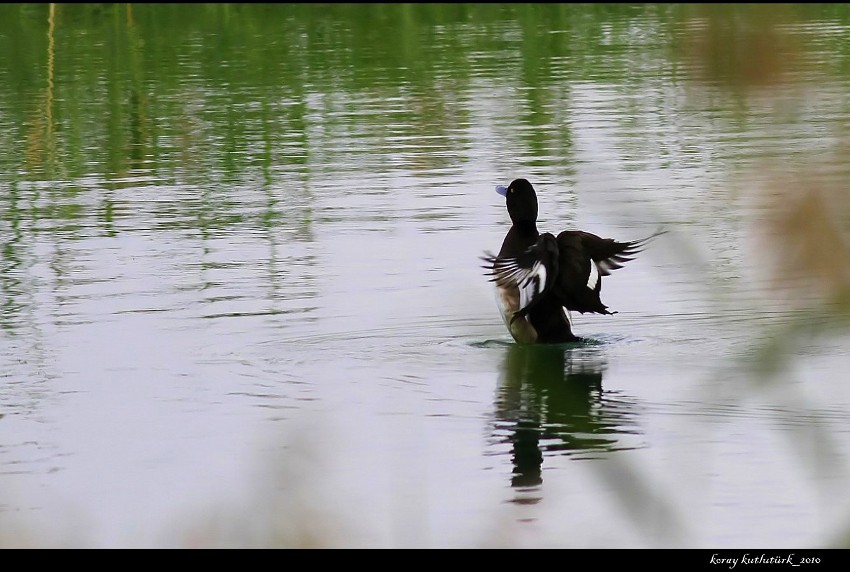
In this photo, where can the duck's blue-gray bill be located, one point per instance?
(502, 190)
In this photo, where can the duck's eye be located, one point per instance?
(510, 189)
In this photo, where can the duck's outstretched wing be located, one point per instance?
(533, 272)
(569, 267)
(584, 259)
(608, 253)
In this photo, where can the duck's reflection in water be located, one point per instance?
(551, 401)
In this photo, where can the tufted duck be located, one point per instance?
(540, 278)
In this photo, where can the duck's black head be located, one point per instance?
(521, 201)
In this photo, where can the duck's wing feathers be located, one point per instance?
(608, 253)
(570, 266)
(584, 259)
(579, 280)
(533, 272)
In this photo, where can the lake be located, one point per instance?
(241, 300)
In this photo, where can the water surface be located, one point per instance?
(241, 301)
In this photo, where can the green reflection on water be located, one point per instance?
(144, 86)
